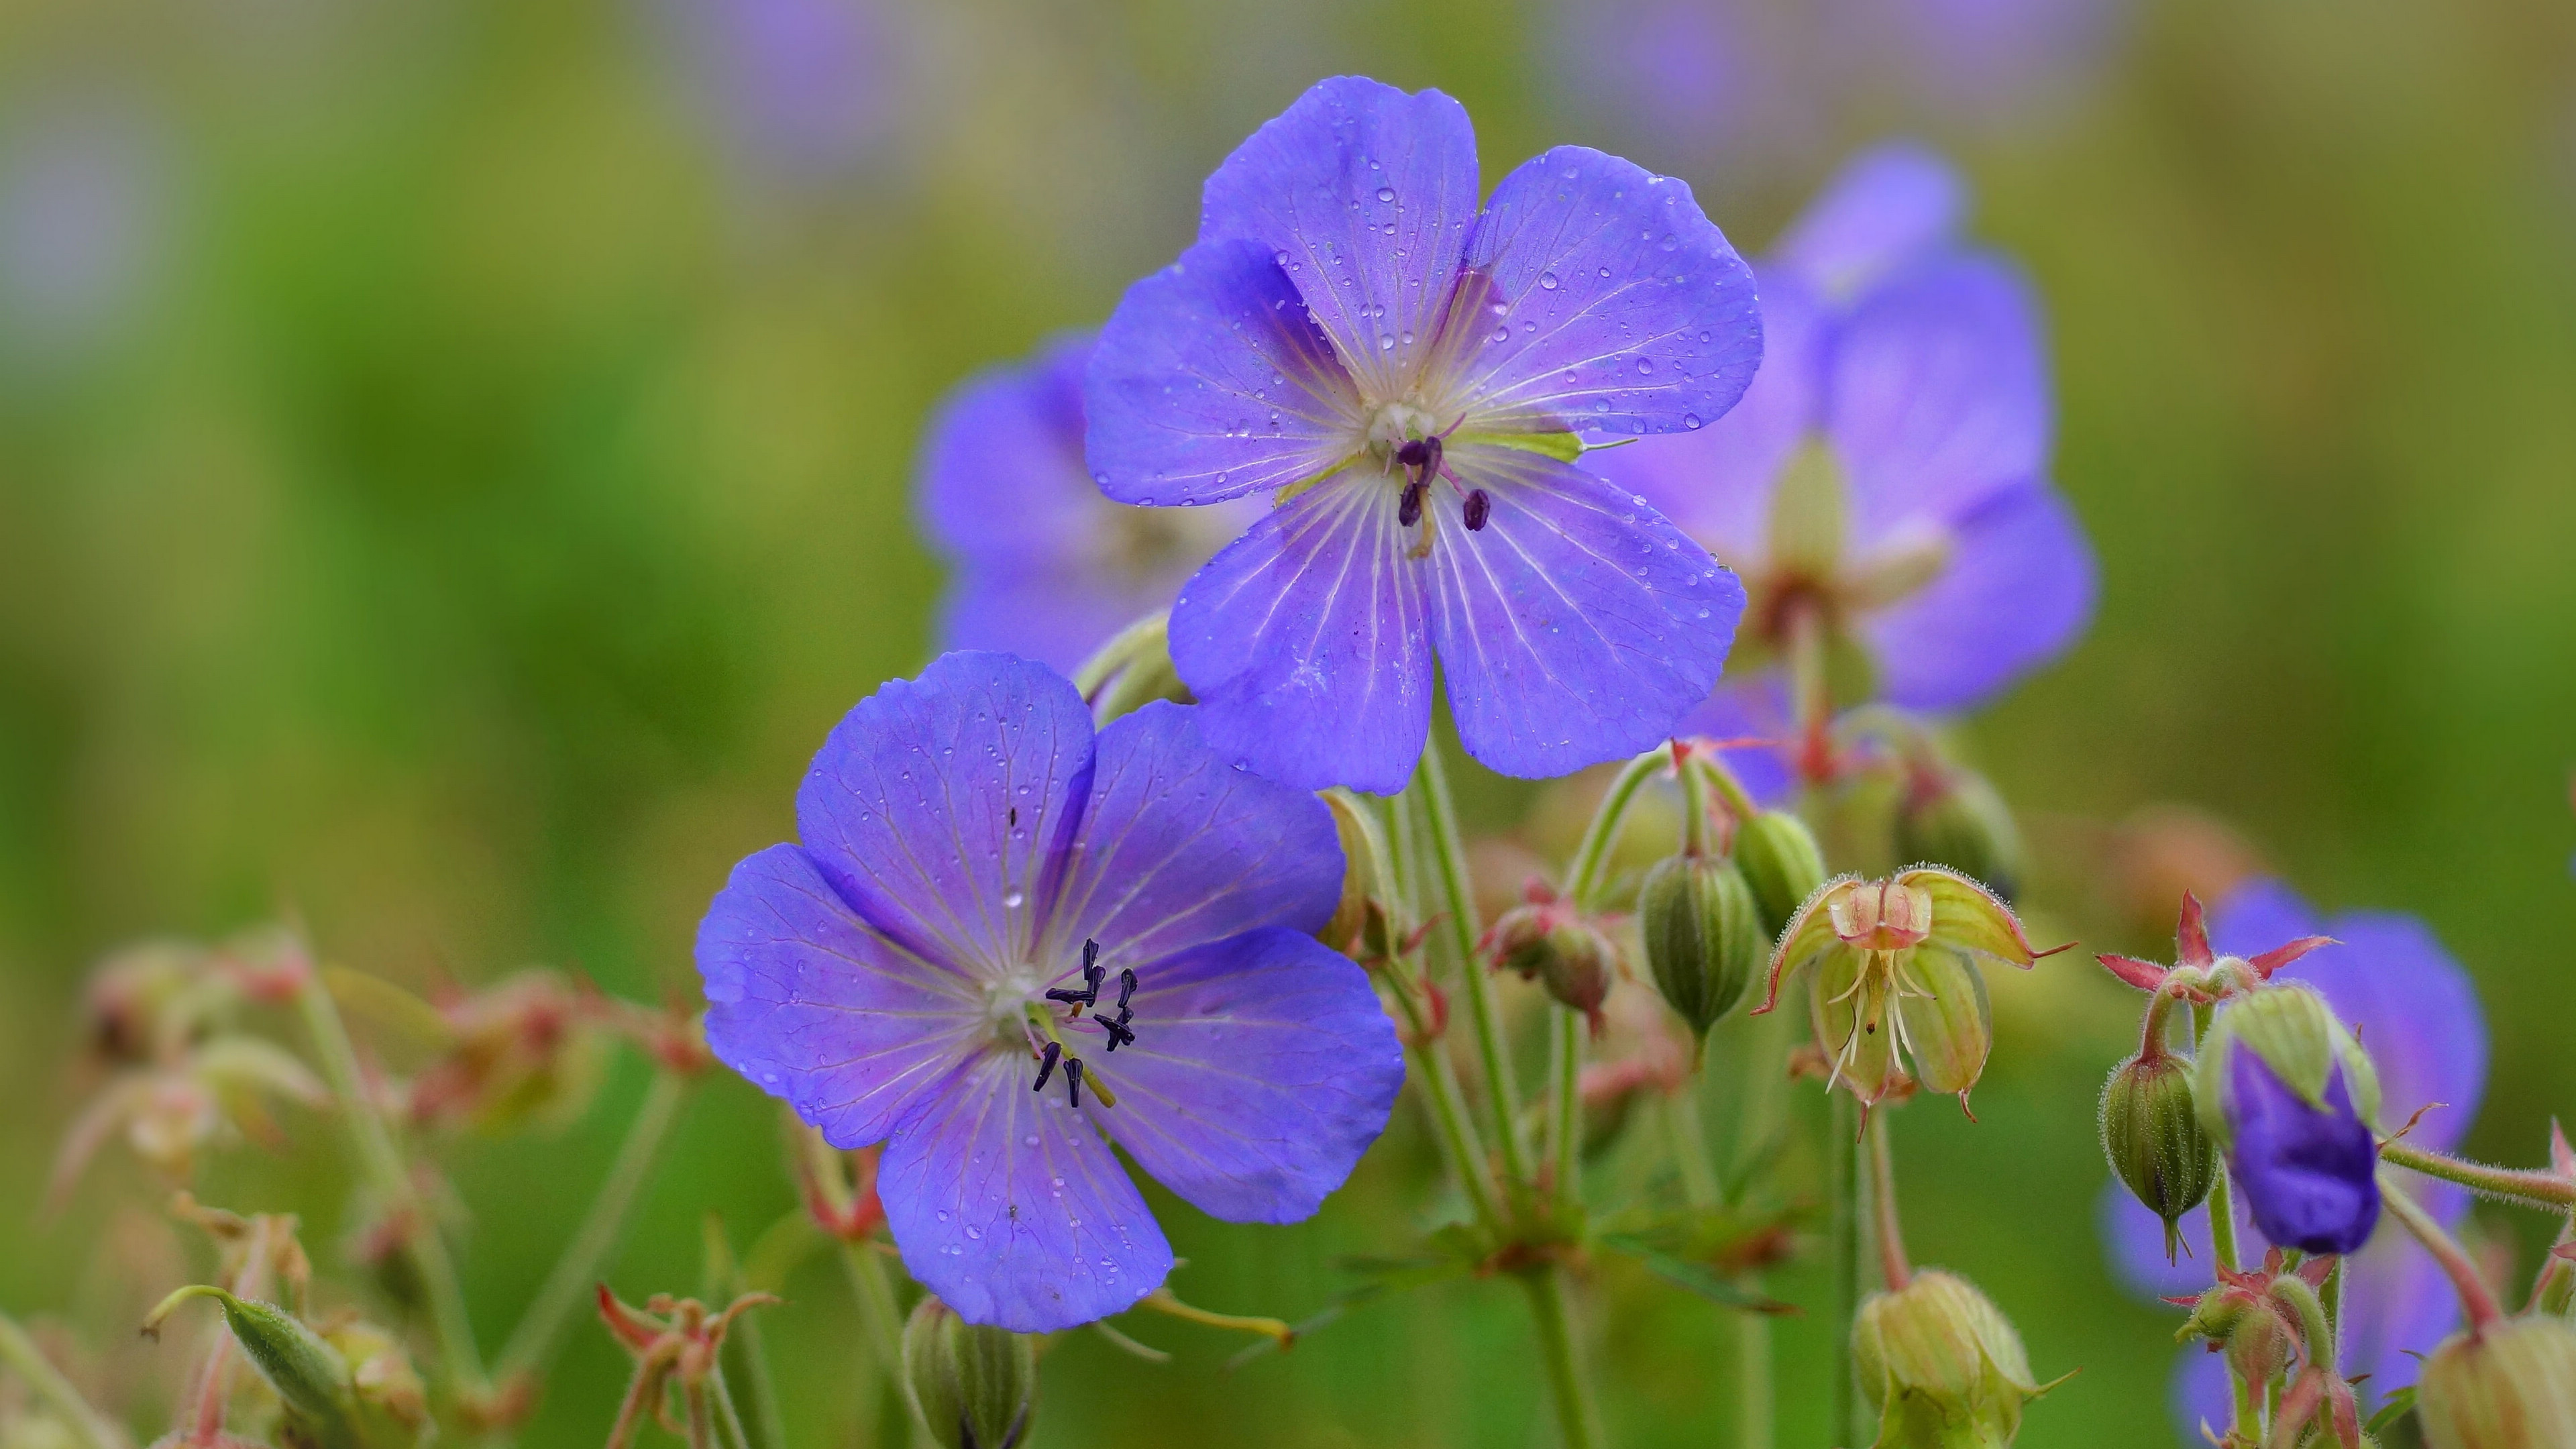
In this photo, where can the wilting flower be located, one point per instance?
(1002, 937)
(1884, 483)
(1408, 373)
(1046, 568)
(2416, 1010)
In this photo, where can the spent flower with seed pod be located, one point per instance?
(1895, 993)
(1410, 373)
(1042, 565)
(1942, 1365)
(1002, 938)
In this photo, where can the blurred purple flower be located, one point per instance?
(1887, 469)
(2416, 1012)
(1045, 567)
(800, 88)
(82, 211)
(1407, 371)
(966, 842)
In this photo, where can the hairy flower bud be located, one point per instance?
(1953, 817)
(1703, 935)
(1942, 1365)
(1363, 924)
(2289, 1096)
(972, 1386)
(1547, 941)
(2511, 1387)
(2152, 1134)
(311, 1377)
(2248, 1327)
(1781, 863)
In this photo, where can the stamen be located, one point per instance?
(1408, 509)
(1090, 955)
(1073, 1079)
(1480, 506)
(1126, 989)
(1046, 1065)
(1119, 1035)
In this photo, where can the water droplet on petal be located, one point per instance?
(1386, 193)
(1691, 420)
(1547, 280)
(1013, 901)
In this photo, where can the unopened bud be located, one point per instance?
(1703, 937)
(1547, 941)
(1942, 1365)
(1363, 924)
(2152, 1134)
(2289, 1096)
(972, 1386)
(2510, 1386)
(1953, 817)
(1781, 863)
(1132, 670)
(2249, 1328)
(309, 1375)
(2295, 1034)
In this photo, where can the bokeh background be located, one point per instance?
(456, 457)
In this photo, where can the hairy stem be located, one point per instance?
(1484, 1013)
(1892, 1264)
(533, 1341)
(2477, 1300)
(1437, 1075)
(1842, 1254)
(1565, 1103)
(381, 1163)
(2222, 1239)
(90, 1428)
(1578, 1419)
(1700, 1186)
(1584, 874)
(2546, 1192)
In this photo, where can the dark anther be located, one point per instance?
(1090, 956)
(1046, 1064)
(1119, 1035)
(1126, 990)
(1073, 1079)
(1408, 509)
(1422, 455)
(1480, 506)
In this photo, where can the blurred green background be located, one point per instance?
(455, 464)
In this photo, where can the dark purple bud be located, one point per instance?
(1480, 506)
(1408, 509)
(2309, 1175)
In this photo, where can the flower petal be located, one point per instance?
(1057, 615)
(1002, 478)
(1578, 626)
(813, 1006)
(1305, 643)
(1626, 310)
(1263, 1067)
(1009, 1206)
(940, 807)
(1755, 708)
(1211, 381)
(2014, 591)
(1887, 207)
(1179, 848)
(1939, 395)
(2308, 1175)
(1715, 483)
(1364, 194)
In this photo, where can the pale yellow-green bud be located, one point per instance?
(2510, 1387)
(1942, 1365)
(973, 1387)
(1780, 860)
(1702, 934)
(310, 1376)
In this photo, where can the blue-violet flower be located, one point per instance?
(1003, 937)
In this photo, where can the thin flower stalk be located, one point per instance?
(88, 1426)
(2477, 1300)
(2542, 1191)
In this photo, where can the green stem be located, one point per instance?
(1892, 1265)
(532, 1343)
(1842, 1251)
(1758, 1120)
(1700, 1186)
(728, 1418)
(1442, 1096)
(2476, 1298)
(1584, 874)
(88, 1426)
(2330, 1299)
(878, 1318)
(2222, 1246)
(2546, 1192)
(1578, 1420)
(1565, 1103)
(382, 1165)
(2314, 1327)
(1484, 1013)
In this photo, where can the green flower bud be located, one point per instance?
(1953, 817)
(1942, 1366)
(1132, 670)
(2296, 1034)
(1363, 924)
(2152, 1134)
(310, 1376)
(2511, 1387)
(1703, 935)
(1548, 942)
(972, 1387)
(1780, 861)
(2250, 1328)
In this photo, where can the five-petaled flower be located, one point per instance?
(1408, 373)
(1045, 567)
(1002, 937)
(1884, 483)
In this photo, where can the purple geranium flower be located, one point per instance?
(1045, 566)
(2309, 1174)
(1002, 938)
(1407, 372)
(1886, 475)
(2415, 1011)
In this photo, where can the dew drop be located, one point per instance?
(1547, 280)
(1386, 193)
(1691, 420)
(1645, 367)
(1013, 901)
(1029, 1141)
(1386, 342)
